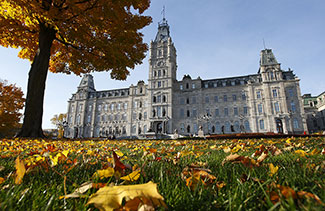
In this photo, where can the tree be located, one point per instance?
(71, 36)
(11, 102)
(59, 121)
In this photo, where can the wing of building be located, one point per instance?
(268, 101)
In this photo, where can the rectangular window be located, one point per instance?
(275, 93)
(293, 107)
(80, 108)
(295, 124)
(206, 99)
(276, 107)
(99, 108)
(217, 112)
(243, 96)
(159, 111)
(225, 98)
(258, 94)
(90, 108)
(216, 99)
(182, 101)
(125, 106)
(262, 124)
(236, 111)
(106, 107)
(181, 113)
(193, 86)
(260, 108)
(72, 108)
(194, 113)
(159, 84)
(181, 87)
(245, 110)
(226, 111)
(193, 100)
(234, 97)
(290, 91)
(119, 106)
(158, 98)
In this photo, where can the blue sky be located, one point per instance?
(213, 38)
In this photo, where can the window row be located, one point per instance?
(217, 128)
(159, 111)
(215, 112)
(214, 99)
(159, 99)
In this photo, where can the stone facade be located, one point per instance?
(269, 101)
(315, 112)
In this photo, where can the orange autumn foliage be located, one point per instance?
(11, 102)
(90, 35)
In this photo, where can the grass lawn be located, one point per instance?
(247, 174)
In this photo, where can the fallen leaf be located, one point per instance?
(309, 195)
(1, 180)
(79, 191)
(110, 198)
(134, 176)
(104, 173)
(273, 169)
(20, 170)
(262, 157)
(118, 165)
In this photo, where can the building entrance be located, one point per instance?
(279, 125)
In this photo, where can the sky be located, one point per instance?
(214, 39)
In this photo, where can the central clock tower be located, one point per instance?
(162, 77)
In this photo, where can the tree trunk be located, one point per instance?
(32, 125)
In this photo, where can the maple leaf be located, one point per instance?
(20, 170)
(273, 169)
(110, 198)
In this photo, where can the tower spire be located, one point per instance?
(163, 13)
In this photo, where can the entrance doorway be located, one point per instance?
(159, 127)
(279, 125)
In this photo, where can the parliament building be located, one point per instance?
(268, 101)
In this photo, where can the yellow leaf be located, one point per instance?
(109, 172)
(1, 180)
(119, 153)
(20, 170)
(65, 153)
(273, 169)
(110, 198)
(301, 153)
(134, 176)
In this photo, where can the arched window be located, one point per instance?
(164, 112)
(188, 128)
(187, 86)
(227, 127)
(140, 116)
(218, 129)
(187, 100)
(153, 113)
(159, 73)
(213, 129)
(164, 72)
(247, 127)
(236, 126)
(164, 98)
(154, 99)
(188, 113)
(154, 73)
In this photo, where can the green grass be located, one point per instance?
(41, 187)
